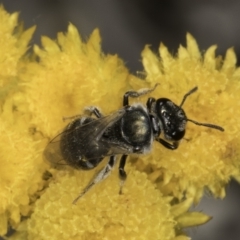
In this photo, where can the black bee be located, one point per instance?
(87, 140)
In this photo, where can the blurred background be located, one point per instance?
(125, 27)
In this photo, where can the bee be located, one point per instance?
(88, 139)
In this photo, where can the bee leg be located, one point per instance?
(90, 109)
(171, 146)
(122, 173)
(93, 110)
(101, 175)
(135, 94)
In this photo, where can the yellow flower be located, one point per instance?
(59, 80)
(62, 83)
(140, 212)
(20, 157)
(206, 158)
(102, 213)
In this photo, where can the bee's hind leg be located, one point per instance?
(101, 175)
(122, 173)
(90, 110)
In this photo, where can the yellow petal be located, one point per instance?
(192, 219)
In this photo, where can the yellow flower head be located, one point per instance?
(206, 157)
(62, 83)
(20, 157)
(103, 213)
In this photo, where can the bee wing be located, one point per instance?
(52, 152)
(91, 132)
(100, 125)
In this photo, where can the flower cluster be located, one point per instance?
(20, 157)
(206, 158)
(40, 86)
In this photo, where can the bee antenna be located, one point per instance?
(209, 125)
(187, 94)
